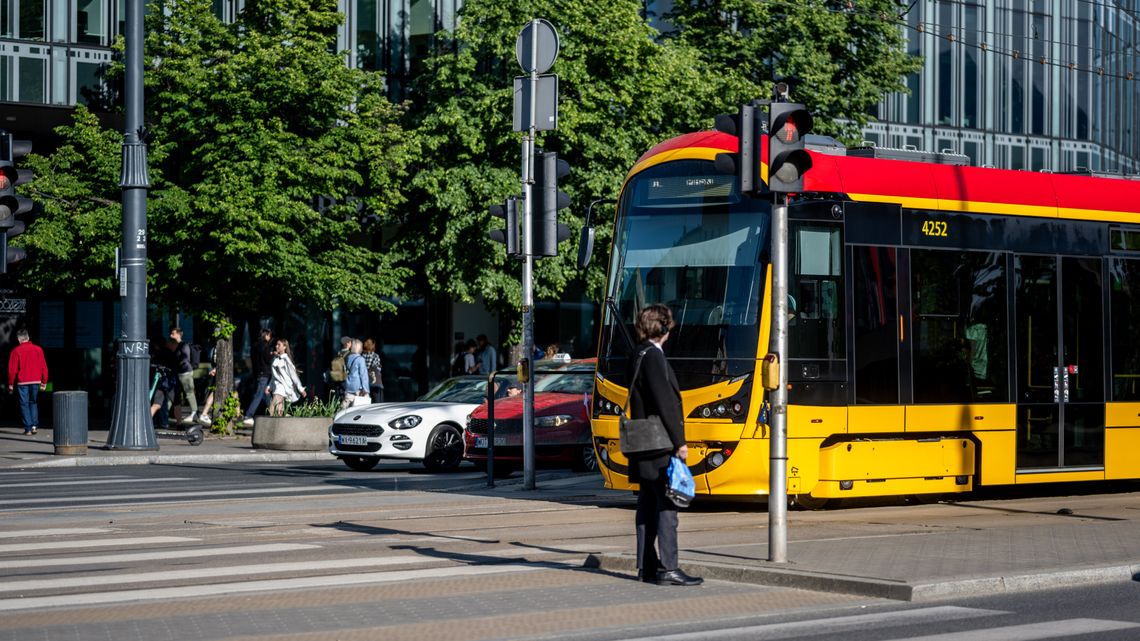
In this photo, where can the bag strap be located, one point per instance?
(633, 381)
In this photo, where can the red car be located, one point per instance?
(561, 422)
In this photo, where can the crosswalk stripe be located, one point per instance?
(210, 494)
(59, 531)
(218, 589)
(831, 626)
(91, 543)
(100, 481)
(204, 573)
(129, 557)
(1032, 631)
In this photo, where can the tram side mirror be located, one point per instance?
(585, 247)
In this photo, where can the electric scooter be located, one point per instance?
(191, 433)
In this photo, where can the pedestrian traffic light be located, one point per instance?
(11, 203)
(745, 163)
(509, 235)
(547, 232)
(788, 161)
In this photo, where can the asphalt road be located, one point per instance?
(315, 551)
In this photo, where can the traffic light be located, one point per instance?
(509, 235)
(788, 161)
(547, 232)
(11, 203)
(745, 163)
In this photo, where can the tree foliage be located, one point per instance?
(839, 57)
(247, 123)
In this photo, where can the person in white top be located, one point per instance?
(284, 384)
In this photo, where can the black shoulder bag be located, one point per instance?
(641, 436)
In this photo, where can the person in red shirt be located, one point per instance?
(27, 372)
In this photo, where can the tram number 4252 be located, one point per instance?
(934, 228)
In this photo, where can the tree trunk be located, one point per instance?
(224, 379)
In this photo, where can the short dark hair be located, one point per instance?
(266, 332)
(653, 322)
(482, 338)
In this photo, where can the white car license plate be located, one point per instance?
(353, 439)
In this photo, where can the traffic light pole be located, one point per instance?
(528, 250)
(131, 427)
(778, 344)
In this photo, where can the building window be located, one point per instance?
(33, 14)
(33, 79)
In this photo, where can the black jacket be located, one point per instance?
(655, 393)
(263, 359)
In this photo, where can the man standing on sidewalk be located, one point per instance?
(262, 358)
(28, 371)
(185, 373)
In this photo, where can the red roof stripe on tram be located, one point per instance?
(947, 187)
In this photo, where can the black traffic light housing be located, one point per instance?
(788, 161)
(11, 203)
(509, 235)
(745, 163)
(546, 231)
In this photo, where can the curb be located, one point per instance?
(170, 459)
(886, 588)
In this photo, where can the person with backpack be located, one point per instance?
(185, 370)
(375, 369)
(338, 368)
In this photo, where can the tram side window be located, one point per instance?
(1125, 280)
(876, 325)
(815, 292)
(959, 327)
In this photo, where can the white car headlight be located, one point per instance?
(553, 421)
(405, 422)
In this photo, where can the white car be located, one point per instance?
(429, 429)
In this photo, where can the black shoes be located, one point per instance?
(677, 577)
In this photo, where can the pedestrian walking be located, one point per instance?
(185, 372)
(285, 385)
(27, 375)
(356, 381)
(656, 392)
(262, 358)
(470, 363)
(488, 357)
(375, 371)
(338, 367)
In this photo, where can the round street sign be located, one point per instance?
(540, 34)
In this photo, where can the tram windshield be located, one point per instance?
(685, 237)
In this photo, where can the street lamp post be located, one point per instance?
(131, 427)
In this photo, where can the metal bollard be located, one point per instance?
(69, 429)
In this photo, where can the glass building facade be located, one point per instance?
(1041, 85)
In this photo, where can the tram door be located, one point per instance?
(1059, 363)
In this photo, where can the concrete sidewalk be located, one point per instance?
(906, 552)
(17, 450)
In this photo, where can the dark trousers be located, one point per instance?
(656, 523)
(29, 409)
(258, 397)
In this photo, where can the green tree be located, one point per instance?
(248, 123)
(839, 58)
(620, 93)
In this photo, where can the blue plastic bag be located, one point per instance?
(682, 488)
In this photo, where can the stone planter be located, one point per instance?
(291, 433)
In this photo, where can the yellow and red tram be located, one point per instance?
(950, 326)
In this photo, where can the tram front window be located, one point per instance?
(685, 238)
